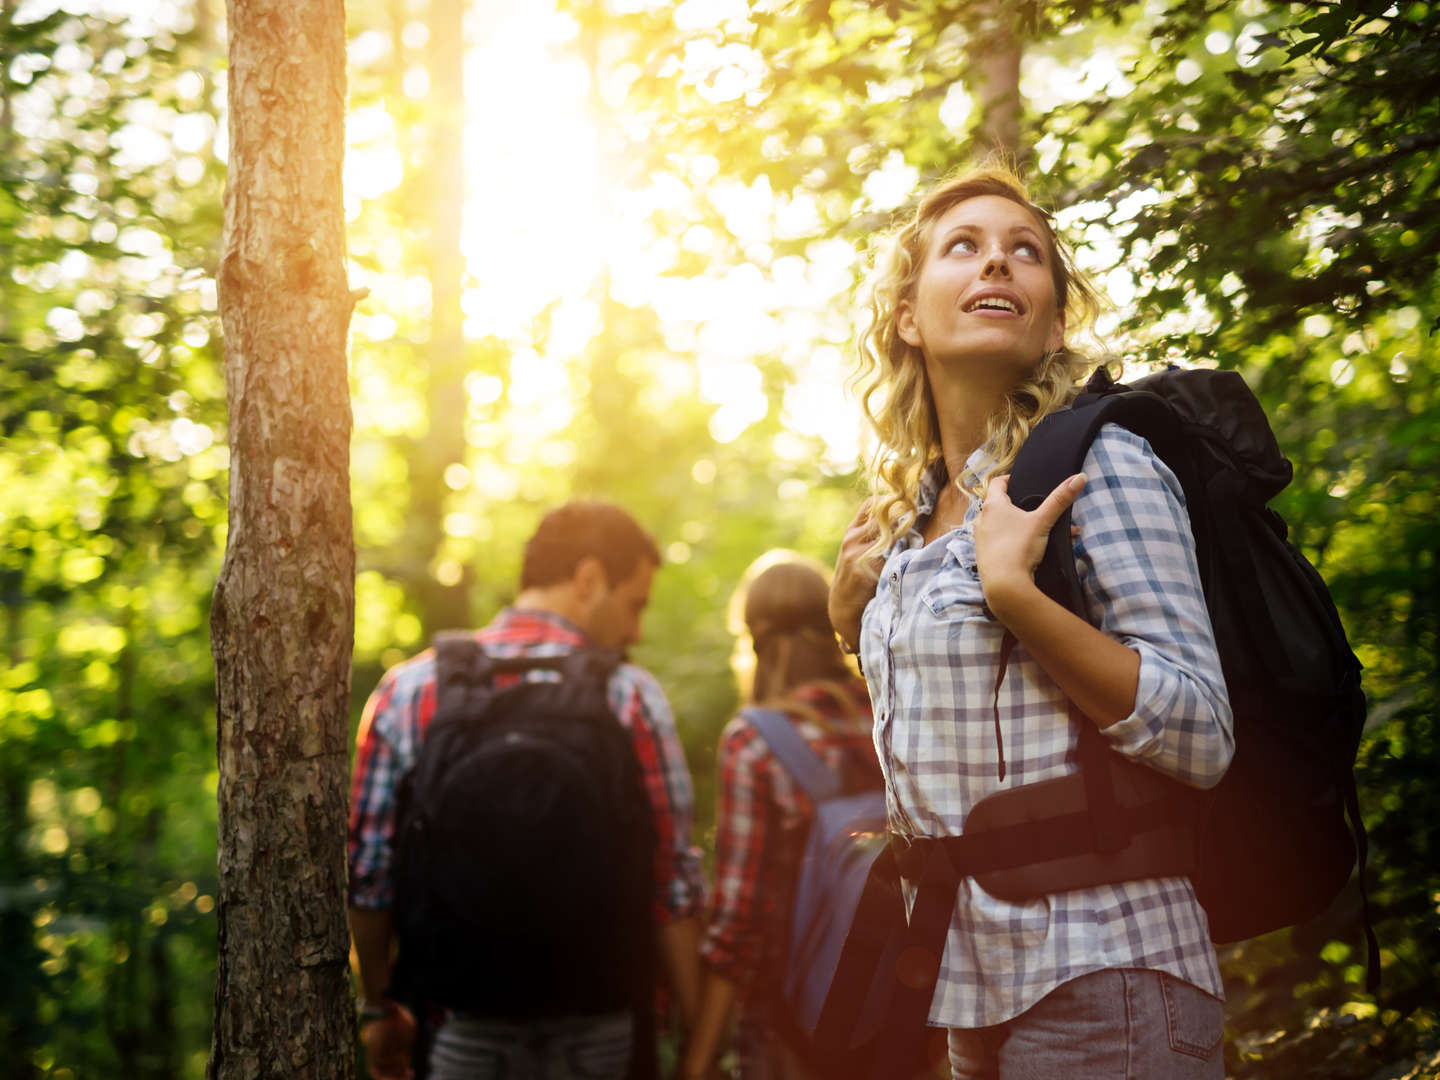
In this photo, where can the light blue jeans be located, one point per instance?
(575, 1048)
(1120, 1024)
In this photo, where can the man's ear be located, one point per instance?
(589, 579)
(905, 324)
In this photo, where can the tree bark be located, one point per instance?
(995, 51)
(283, 617)
(444, 605)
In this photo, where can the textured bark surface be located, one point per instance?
(995, 54)
(442, 606)
(283, 617)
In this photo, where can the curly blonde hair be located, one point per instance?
(890, 375)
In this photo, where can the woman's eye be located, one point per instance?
(961, 244)
(1029, 250)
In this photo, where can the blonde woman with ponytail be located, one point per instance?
(971, 306)
(787, 659)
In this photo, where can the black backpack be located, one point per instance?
(524, 847)
(1271, 844)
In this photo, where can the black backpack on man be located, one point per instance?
(524, 847)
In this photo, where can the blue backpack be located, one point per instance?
(846, 838)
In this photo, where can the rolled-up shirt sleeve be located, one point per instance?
(1138, 571)
(643, 709)
(372, 800)
(732, 944)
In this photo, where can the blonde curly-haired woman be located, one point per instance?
(965, 351)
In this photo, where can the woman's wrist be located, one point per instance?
(1007, 597)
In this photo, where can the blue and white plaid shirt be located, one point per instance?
(931, 653)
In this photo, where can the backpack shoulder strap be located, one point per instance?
(591, 664)
(465, 671)
(1056, 449)
(461, 668)
(813, 776)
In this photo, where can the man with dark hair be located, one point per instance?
(579, 529)
(585, 581)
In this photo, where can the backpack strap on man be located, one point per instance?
(813, 776)
(463, 671)
(592, 664)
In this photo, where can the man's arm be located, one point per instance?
(680, 888)
(387, 1030)
(372, 931)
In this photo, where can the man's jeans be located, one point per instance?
(578, 1048)
(1122, 1023)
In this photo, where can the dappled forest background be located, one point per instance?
(609, 248)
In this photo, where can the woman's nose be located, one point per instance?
(996, 265)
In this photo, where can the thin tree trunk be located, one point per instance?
(444, 604)
(995, 51)
(283, 616)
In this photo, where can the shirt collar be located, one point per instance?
(937, 475)
(537, 624)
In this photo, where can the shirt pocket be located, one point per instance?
(953, 591)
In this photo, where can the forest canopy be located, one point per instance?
(610, 248)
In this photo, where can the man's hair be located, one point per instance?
(584, 528)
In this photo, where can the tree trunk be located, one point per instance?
(444, 603)
(995, 49)
(283, 616)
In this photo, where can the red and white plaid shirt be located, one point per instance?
(399, 712)
(762, 819)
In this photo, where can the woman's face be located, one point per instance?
(985, 291)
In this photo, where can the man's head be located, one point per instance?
(593, 563)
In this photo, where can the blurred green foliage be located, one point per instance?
(111, 502)
(1254, 182)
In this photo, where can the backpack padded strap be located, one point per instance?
(1056, 449)
(1110, 825)
(812, 775)
(461, 666)
(464, 668)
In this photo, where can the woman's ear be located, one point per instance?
(1056, 341)
(905, 324)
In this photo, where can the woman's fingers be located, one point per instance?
(1060, 500)
(853, 583)
(1009, 541)
(862, 514)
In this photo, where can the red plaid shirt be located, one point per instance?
(399, 712)
(762, 819)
